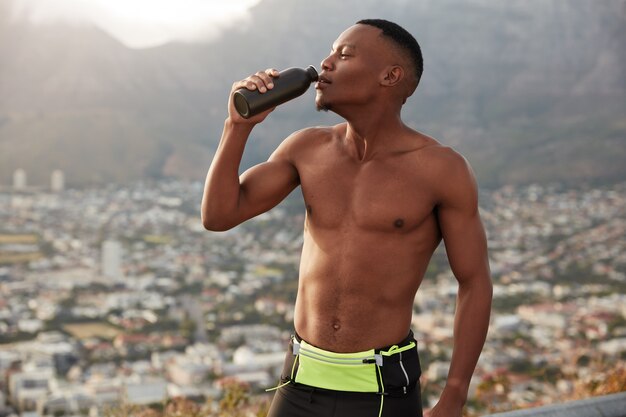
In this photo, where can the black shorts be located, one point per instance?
(396, 384)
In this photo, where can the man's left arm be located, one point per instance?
(466, 246)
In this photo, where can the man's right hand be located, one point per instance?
(261, 81)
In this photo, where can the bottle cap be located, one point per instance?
(312, 73)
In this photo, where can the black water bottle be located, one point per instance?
(289, 84)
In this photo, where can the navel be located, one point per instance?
(336, 326)
(398, 223)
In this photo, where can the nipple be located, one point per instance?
(398, 223)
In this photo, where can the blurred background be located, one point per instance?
(110, 112)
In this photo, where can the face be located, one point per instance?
(351, 73)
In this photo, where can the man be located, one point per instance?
(379, 198)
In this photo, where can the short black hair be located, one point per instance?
(402, 38)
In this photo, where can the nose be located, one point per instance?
(327, 63)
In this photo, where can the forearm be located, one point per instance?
(222, 187)
(470, 330)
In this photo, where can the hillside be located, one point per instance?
(528, 91)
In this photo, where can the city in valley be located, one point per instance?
(117, 294)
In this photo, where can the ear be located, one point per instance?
(392, 75)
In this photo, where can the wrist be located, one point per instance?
(455, 393)
(236, 127)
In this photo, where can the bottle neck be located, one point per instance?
(312, 72)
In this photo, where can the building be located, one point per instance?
(27, 388)
(111, 259)
(57, 180)
(19, 179)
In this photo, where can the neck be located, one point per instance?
(370, 132)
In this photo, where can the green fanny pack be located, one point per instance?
(392, 370)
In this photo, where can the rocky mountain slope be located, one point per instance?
(529, 91)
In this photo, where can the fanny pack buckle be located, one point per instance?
(379, 359)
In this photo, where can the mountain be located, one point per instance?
(528, 91)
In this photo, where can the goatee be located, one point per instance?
(322, 107)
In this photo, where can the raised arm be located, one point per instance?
(230, 199)
(466, 247)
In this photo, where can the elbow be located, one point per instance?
(479, 285)
(212, 227)
(212, 220)
(216, 222)
(218, 217)
(488, 291)
(215, 225)
(485, 286)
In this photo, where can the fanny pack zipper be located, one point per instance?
(405, 374)
(376, 358)
(298, 350)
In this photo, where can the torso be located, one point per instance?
(370, 231)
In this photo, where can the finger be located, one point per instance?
(251, 83)
(248, 84)
(267, 78)
(272, 72)
(262, 81)
(258, 81)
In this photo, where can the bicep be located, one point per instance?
(267, 184)
(465, 242)
(461, 227)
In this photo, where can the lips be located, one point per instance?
(322, 81)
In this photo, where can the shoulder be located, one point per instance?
(438, 158)
(317, 133)
(307, 140)
(446, 160)
(450, 175)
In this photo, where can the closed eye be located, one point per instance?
(342, 51)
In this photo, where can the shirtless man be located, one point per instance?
(379, 199)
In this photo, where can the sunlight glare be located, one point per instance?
(143, 23)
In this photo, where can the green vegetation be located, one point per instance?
(236, 401)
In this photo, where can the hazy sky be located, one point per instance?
(141, 23)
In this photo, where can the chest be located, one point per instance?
(390, 195)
